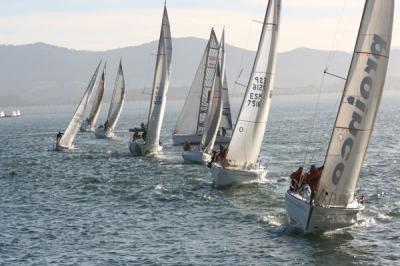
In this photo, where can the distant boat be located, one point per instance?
(2, 114)
(335, 204)
(149, 143)
(192, 120)
(202, 155)
(89, 123)
(239, 163)
(117, 102)
(65, 140)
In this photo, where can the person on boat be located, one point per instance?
(295, 178)
(219, 132)
(213, 158)
(59, 136)
(135, 135)
(312, 179)
(187, 146)
(223, 130)
(105, 125)
(144, 134)
(221, 155)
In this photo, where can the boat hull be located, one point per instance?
(63, 148)
(224, 177)
(196, 139)
(137, 148)
(104, 134)
(317, 219)
(197, 157)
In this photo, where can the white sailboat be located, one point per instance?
(65, 140)
(150, 141)
(240, 164)
(191, 122)
(89, 123)
(335, 204)
(117, 102)
(203, 154)
(2, 114)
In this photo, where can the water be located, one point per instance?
(100, 206)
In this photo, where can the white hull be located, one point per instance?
(196, 139)
(64, 148)
(316, 219)
(137, 148)
(223, 177)
(104, 134)
(198, 157)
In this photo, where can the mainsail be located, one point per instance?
(226, 120)
(117, 100)
(247, 138)
(192, 118)
(73, 127)
(160, 85)
(214, 114)
(359, 106)
(94, 113)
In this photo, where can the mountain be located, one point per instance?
(44, 74)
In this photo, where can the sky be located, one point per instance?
(108, 24)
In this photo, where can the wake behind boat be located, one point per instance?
(239, 164)
(149, 144)
(106, 131)
(332, 202)
(65, 140)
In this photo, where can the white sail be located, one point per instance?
(247, 138)
(94, 113)
(70, 133)
(160, 85)
(214, 114)
(226, 120)
(117, 100)
(189, 121)
(359, 105)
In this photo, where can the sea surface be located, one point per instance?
(99, 205)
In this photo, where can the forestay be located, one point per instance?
(117, 100)
(73, 127)
(214, 114)
(359, 106)
(94, 113)
(226, 119)
(160, 85)
(194, 112)
(247, 138)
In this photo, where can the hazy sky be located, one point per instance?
(107, 24)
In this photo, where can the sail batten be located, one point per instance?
(359, 105)
(248, 135)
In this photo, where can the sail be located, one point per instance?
(189, 121)
(117, 100)
(248, 135)
(160, 85)
(70, 133)
(226, 120)
(214, 114)
(359, 106)
(94, 113)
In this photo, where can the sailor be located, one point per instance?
(187, 146)
(105, 125)
(312, 179)
(59, 136)
(135, 135)
(213, 158)
(295, 178)
(223, 130)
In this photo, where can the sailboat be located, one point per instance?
(65, 140)
(239, 164)
(117, 102)
(191, 122)
(89, 123)
(213, 120)
(2, 114)
(149, 143)
(335, 204)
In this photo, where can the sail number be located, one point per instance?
(257, 89)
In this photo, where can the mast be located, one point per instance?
(359, 106)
